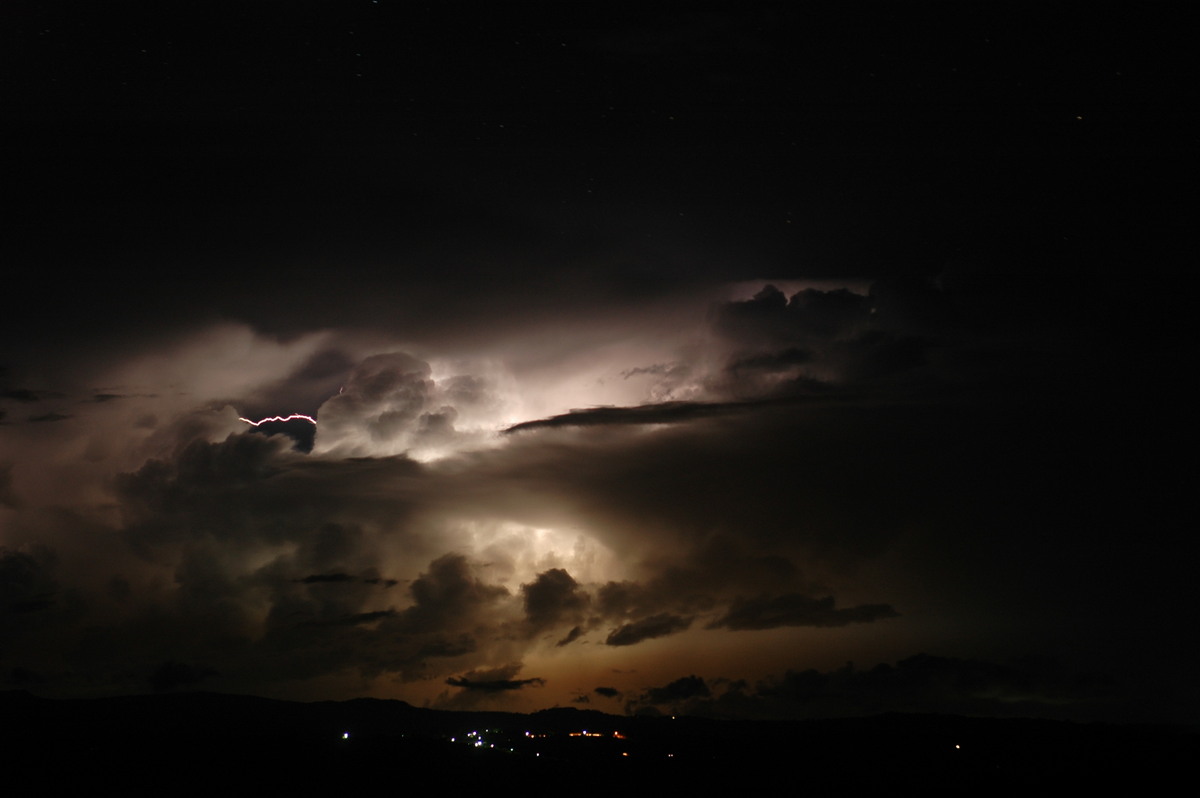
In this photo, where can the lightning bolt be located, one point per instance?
(292, 417)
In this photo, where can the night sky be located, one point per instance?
(752, 360)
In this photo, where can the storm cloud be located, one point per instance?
(614, 373)
(415, 543)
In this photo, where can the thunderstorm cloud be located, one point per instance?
(694, 379)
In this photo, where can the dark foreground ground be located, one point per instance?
(218, 744)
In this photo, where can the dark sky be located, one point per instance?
(662, 359)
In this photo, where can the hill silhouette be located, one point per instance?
(192, 743)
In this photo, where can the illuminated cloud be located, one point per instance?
(291, 554)
(437, 533)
